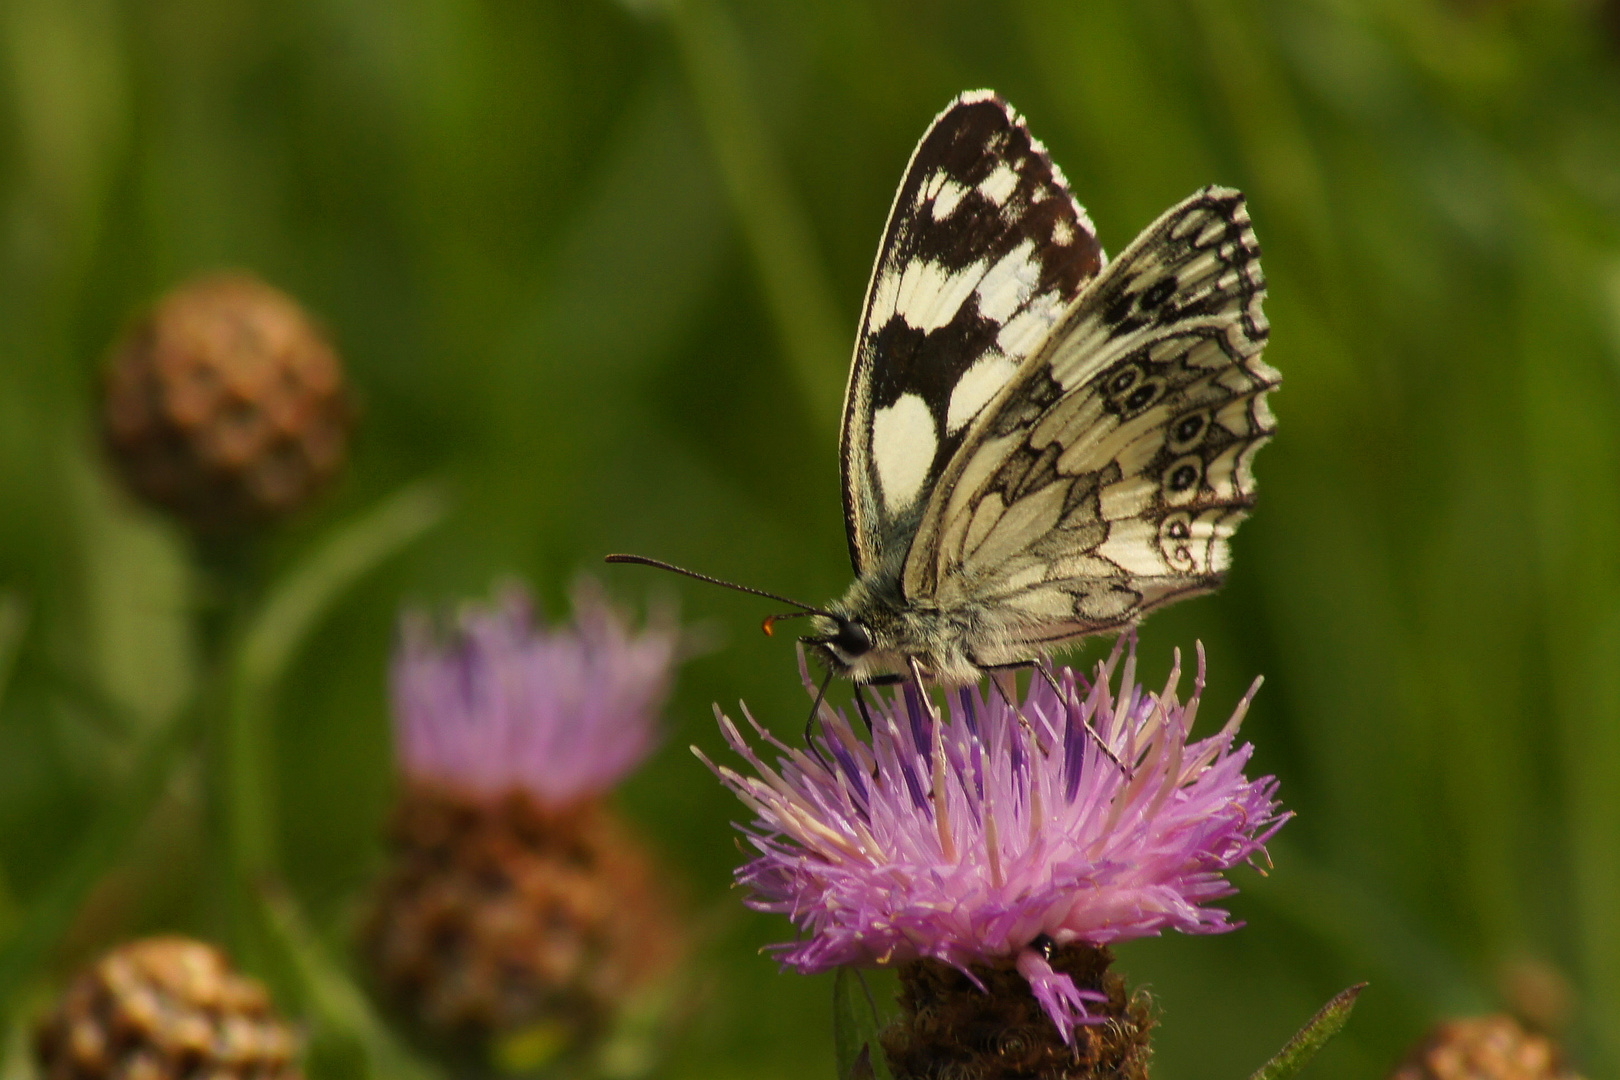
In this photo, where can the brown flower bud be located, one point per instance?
(503, 915)
(161, 1009)
(225, 405)
(990, 1027)
(1483, 1048)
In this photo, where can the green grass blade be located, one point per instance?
(855, 1029)
(297, 603)
(1328, 1022)
(773, 222)
(336, 1002)
(293, 609)
(50, 915)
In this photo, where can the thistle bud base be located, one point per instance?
(951, 1027)
(503, 914)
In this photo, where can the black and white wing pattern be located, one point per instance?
(1106, 478)
(984, 250)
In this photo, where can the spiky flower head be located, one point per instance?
(1001, 834)
(519, 914)
(500, 703)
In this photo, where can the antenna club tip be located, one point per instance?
(769, 625)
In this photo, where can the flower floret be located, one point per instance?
(499, 703)
(1084, 814)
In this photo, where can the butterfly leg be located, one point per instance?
(942, 820)
(1096, 736)
(1046, 673)
(810, 722)
(860, 703)
(922, 688)
(1010, 697)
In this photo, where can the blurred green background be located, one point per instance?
(596, 268)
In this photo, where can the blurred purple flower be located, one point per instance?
(498, 703)
(1043, 833)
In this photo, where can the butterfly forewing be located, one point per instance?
(1105, 478)
(984, 250)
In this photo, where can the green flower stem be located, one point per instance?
(775, 227)
(231, 582)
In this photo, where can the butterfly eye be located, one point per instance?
(1045, 946)
(852, 639)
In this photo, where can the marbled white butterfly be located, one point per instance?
(1038, 445)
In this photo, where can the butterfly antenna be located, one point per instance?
(805, 609)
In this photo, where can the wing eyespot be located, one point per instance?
(1129, 389)
(1188, 431)
(1143, 396)
(1116, 463)
(1182, 477)
(1124, 379)
(1174, 534)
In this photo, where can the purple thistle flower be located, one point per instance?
(498, 704)
(1046, 838)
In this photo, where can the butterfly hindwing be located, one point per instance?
(984, 249)
(1106, 477)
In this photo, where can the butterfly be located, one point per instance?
(1038, 444)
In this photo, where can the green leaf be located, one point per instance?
(136, 636)
(295, 607)
(855, 1029)
(1328, 1022)
(49, 916)
(337, 1003)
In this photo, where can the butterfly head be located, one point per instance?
(871, 635)
(840, 641)
(841, 638)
